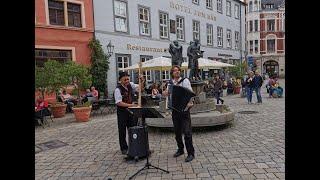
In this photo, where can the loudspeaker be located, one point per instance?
(138, 145)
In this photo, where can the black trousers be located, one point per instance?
(217, 96)
(182, 124)
(125, 120)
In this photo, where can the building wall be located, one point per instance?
(278, 34)
(123, 42)
(62, 37)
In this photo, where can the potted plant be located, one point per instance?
(80, 76)
(51, 78)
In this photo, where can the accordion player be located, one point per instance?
(180, 98)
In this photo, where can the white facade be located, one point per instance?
(136, 36)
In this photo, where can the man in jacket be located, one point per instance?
(257, 83)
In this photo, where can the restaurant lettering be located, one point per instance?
(188, 10)
(142, 48)
(226, 55)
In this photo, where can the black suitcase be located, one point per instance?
(138, 145)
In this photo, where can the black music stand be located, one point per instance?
(143, 113)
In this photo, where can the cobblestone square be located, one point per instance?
(252, 147)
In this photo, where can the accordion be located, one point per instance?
(180, 97)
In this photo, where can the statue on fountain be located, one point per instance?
(175, 49)
(193, 53)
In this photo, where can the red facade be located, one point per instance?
(62, 36)
(67, 36)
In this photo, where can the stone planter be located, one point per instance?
(58, 110)
(82, 114)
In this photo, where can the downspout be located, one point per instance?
(240, 39)
(94, 26)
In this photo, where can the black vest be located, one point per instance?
(127, 95)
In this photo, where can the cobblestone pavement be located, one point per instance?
(253, 147)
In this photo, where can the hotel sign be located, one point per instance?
(188, 10)
(142, 48)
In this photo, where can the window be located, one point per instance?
(271, 45)
(209, 34)
(184, 73)
(270, 25)
(256, 46)
(163, 19)
(236, 39)
(180, 28)
(250, 6)
(220, 36)
(165, 75)
(43, 55)
(144, 18)
(195, 2)
(236, 11)
(256, 25)
(122, 61)
(56, 12)
(219, 6)
(268, 6)
(229, 38)
(228, 8)
(251, 47)
(74, 15)
(120, 16)
(196, 30)
(255, 7)
(250, 26)
(209, 4)
(146, 74)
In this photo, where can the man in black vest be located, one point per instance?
(123, 95)
(181, 120)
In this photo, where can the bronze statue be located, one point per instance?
(194, 52)
(175, 49)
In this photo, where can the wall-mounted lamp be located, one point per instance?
(110, 49)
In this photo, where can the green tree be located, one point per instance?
(238, 71)
(51, 77)
(99, 65)
(79, 75)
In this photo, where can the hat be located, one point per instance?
(122, 74)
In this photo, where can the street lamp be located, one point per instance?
(110, 48)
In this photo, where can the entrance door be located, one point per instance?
(271, 67)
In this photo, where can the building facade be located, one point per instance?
(265, 26)
(142, 30)
(62, 30)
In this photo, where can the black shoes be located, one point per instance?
(178, 153)
(124, 152)
(189, 158)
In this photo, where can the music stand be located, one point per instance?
(143, 113)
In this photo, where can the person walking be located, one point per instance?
(217, 89)
(257, 83)
(250, 85)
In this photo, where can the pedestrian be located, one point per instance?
(217, 89)
(249, 83)
(257, 83)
